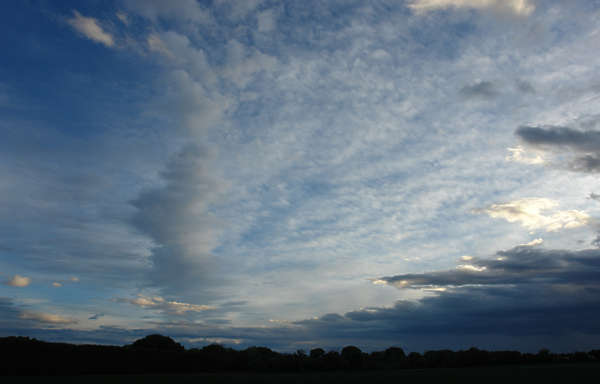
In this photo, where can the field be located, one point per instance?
(568, 373)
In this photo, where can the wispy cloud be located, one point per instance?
(46, 318)
(90, 28)
(517, 7)
(159, 303)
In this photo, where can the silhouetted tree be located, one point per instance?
(352, 356)
(157, 343)
(317, 353)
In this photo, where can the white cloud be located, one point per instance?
(529, 212)
(56, 284)
(517, 7)
(160, 303)
(517, 155)
(89, 27)
(471, 268)
(48, 318)
(533, 242)
(19, 281)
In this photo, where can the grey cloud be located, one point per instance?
(525, 86)
(96, 316)
(520, 265)
(584, 144)
(554, 136)
(177, 218)
(480, 90)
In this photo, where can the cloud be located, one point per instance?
(522, 265)
(583, 145)
(56, 284)
(516, 7)
(181, 10)
(18, 281)
(555, 136)
(157, 45)
(90, 28)
(96, 316)
(517, 155)
(177, 218)
(122, 16)
(480, 90)
(46, 318)
(533, 242)
(525, 86)
(173, 307)
(266, 20)
(529, 212)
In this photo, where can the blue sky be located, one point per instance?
(418, 173)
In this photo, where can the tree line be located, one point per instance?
(160, 354)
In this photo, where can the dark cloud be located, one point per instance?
(554, 136)
(96, 316)
(584, 145)
(480, 90)
(520, 265)
(525, 86)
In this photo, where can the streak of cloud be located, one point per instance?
(90, 28)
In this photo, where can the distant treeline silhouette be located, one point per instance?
(160, 354)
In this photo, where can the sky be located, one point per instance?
(419, 173)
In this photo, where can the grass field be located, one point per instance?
(567, 373)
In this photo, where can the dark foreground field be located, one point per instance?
(564, 373)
